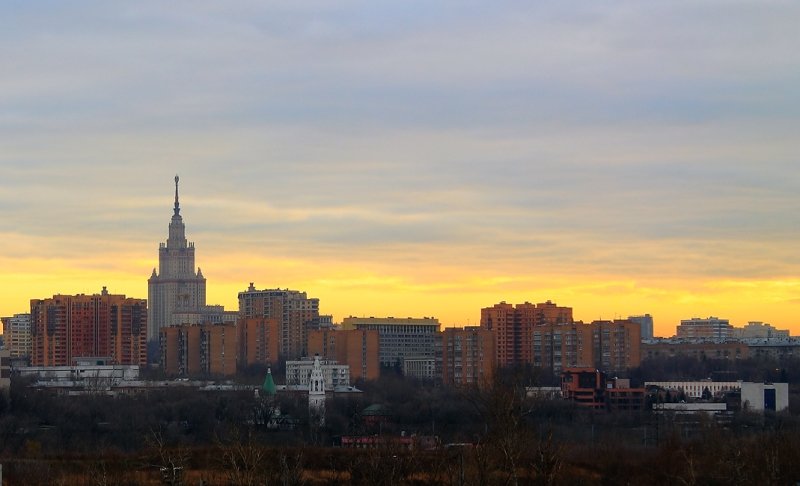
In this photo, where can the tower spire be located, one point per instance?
(177, 205)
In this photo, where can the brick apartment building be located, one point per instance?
(468, 356)
(295, 312)
(259, 341)
(357, 348)
(198, 349)
(67, 327)
(513, 328)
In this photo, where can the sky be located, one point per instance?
(410, 158)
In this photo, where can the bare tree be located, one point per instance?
(243, 461)
(171, 461)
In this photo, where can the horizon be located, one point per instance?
(410, 159)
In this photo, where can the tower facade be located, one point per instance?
(316, 395)
(175, 287)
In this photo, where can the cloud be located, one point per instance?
(407, 145)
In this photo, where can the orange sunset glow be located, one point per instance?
(615, 161)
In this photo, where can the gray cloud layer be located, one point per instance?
(625, 137)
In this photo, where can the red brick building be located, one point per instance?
(513, 328)
(67, 327)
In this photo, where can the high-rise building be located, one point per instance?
(17, 335)
(468, 356)
(204, 349)
(560, 346)
(259, 340)
(402, 339)
(616, 345)
(295, 312)
(710, 328)
(645, 323)
(65, 328)
(513, 328)
(356, 348)
(175, 287)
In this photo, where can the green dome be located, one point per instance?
(269, 384)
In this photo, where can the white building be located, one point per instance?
(756, 329)
(17, 335)
(694, 389)
(298, 373)
(81, 372)
(422, 368)
(691, 408)
(761, 396)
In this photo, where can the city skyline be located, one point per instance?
(410, 160)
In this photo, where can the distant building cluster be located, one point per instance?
(546, 336)
(188, 337)
(715, 338)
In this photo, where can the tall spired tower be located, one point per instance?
(175, 288)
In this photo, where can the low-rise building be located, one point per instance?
(765, 396)
(584, 386)
(704, 348)
(82, 372)
(696, 389)
(421, 368)
(588, 387)
(757, 329)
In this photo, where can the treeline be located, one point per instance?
(498, 435)
(495, 434)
